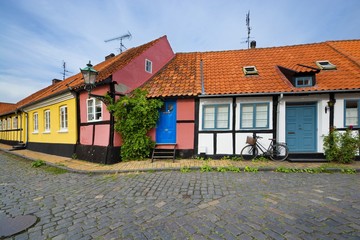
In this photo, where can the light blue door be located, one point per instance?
(301, 128)
(166, 126)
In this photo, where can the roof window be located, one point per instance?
(250, 70)
(325, 65)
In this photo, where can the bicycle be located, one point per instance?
(276, 151)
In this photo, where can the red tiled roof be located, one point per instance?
(105, 69)
(223, 74)
(6, 108)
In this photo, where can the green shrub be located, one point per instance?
(341, 147)
(38, 163)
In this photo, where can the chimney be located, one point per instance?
(55, 81)
(111, 55)
(253, 44)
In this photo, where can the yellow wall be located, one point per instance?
(54, 135)
(13, 133)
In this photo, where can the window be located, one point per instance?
(36, 122)
(4, 124)
(352, 112)
(94, 107)
(148, 66)
(325, 65)
(47, 121)
(1, 125)
(254, 115)
(216, 116)
(9, 123)
(63, 118)
(303, 81)
(15, 123)
(250, 70)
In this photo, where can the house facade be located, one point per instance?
(295, 94)
(64, 119)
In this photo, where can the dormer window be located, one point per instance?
(306, 81)
(250, 70)
(148, 66)
(325, 65)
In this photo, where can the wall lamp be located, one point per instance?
(330, 104)
(89, 76)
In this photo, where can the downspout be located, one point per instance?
(278, 116)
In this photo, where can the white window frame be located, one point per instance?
(148, 66)
(15, 123)
(1, 122)
(63, 119)
(352, 114)
(9, 123)
(47, 121)
(4, 124)
(35, 122)
(325, 65)
(93, 112)
(250, 70)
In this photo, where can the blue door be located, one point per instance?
(301, 128)
(166, 126)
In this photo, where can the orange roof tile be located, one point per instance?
(6, 108)
(222, 71)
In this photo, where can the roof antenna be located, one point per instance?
(64, 70)
(128, 35)
(248, 28)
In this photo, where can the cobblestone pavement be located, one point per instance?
(175, 205)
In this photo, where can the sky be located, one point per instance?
(38, 36)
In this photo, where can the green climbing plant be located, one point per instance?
(134, 116)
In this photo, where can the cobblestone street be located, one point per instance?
(175, 205)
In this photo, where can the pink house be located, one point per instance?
(118, 75)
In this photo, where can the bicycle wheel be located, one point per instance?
(279, 152)
(249, 152)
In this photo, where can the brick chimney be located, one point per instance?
(111, 55)
(55, 81)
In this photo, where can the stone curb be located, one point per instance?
(192, 168)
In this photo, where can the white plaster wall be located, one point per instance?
(206, 143)
(211, 101)
(241, 140)
(224, 143)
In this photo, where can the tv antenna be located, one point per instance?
(125, 36)
(248, 28)
(64, 70)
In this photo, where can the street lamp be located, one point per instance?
(89, 75)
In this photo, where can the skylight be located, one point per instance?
(250, 70)
(325, 65)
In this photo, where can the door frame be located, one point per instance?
(166, 102)
(315, 134)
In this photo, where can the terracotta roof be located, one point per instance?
(223, 74)
(6, 108)
(105, 69)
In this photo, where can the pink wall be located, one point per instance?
(185, 109)
(185, 130)
(134, 74)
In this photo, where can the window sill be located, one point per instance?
(63, 131)
(46, 132)
(35, 132)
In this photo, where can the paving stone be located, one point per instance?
(175, 205)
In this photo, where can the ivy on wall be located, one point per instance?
(135, 116)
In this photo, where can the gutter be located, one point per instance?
(277, 93)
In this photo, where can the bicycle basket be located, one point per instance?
(250, 140)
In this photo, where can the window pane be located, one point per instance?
(247, 116)
(209, 117)
(222, 117)
(351, 113)
(261, 115)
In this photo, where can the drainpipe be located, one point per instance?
(278, 115)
